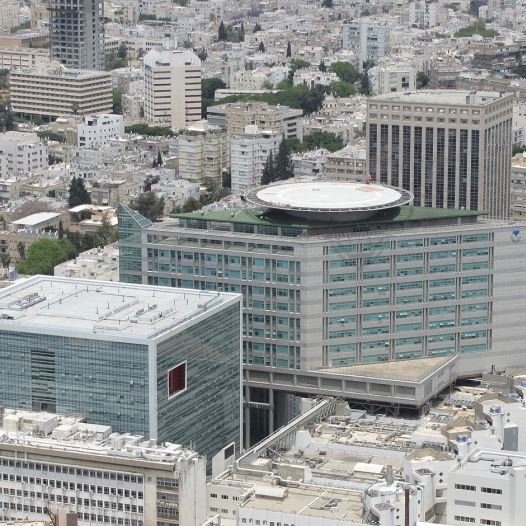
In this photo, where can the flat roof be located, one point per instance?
(458, 97)
(327, 196)
(404, 370)
(99, 309)
(36, 219)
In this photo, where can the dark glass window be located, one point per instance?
(177, 380)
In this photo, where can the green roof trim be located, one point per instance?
(278, 218)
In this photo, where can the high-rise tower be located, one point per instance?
(76, 30)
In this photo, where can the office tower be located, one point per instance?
(451, 148)
(368, 38)
(55, 91)
(65, 464)
(172, 88)
(162, 363)
(248, 155)
(76, 33)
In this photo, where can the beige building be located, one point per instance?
(518, 187)
(56, 91)
(9, 14)
(23, 57)
(451, 148)
(172, 86)
(347, 164)
(203, 152)
(282, 120)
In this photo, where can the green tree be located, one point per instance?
(478, 28)
(422, 80)
(327, 3)
(44, 255)
(150, 131)
(312, 101)
(208, 90)
(295, 145)
(221, 32)
(261, 47)
(160, 161)
(60, 230)
(340, 88)
(78, 195)
(322, 67)
(122, 52)
(190, 205)
(117, 101)
(521, 72)
(149, 205)
(21, 249)
(283, 166)
(269, 174)
(321, 139)
(51, 136)
(345, 71)
(257, 27)
(289, 50)
(202, 54)
(5, 260)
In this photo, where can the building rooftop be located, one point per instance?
(36, 219)
(70, 434)
(102, 310)
(449, 97)
(60, 71)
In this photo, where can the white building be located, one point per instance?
(97, 263)
(172, 84)
(23, 153)
(63, 463)
(392, 76)
(99, 129)
(518, 186)
(248, 155)
(314, 77)
(9, 15)
(368, 38)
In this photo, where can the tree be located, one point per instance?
(21, 249)
(268, 175)
(289, 50)
(345, 71)
(283, 166)
(60, 230)
(202, 54)
(5, 260)
(312, 101)
(75, 108)
(322, 67)
(327, 3)
(149, 205)
(422, 80)
(44, 255)
(242, 32)
(122, 52)
(339, 88)
(261, 47)
(221, 33)
(159, 158)
(257, 27)
(190, 205)
(365, 84)
(117, 101)
(208, 90)
(78, 195)
(321, 139)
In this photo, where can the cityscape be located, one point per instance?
(262, 262)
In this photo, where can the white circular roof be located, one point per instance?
(327, 195)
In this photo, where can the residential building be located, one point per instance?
(162, 363)
(203, 152)
(9, 15)
(101, 263)
(450, 148)
(16, 243)
(518, 187)
(172, 87)
(99, 129)
(282, 120)
(327, 292)
(66, 464)
(389, 77)
(12, 57)
(53, 92)
(23, 153)
(368, 38)
(76, 33)
(248, 154)
(349, 164)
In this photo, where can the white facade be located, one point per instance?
(101, 476)
(248, 155)
(368, 38)
(99, 129)
(23, 153)
(9, 15)
(172, 84)
(392, 77)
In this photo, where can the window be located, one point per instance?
(494, 491)
(177, 380)
(462, 518)
(467, 487)
(490, 522)
(487, 506)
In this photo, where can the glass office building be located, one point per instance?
(162, 363)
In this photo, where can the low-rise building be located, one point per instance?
(101, 476)
(348, 164)
(99, 129)
(97, 263)
(23, 153)
(21, 57)
(518, 187)
(56, 91)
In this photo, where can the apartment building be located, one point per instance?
(76, 33)
(172, 88)
(99, 129)
(248, 154)
(450, 148)
(55, 91)
(23, 152)
(61, 463)
(403, 283)
(282, 120)
(13, 57)
(9, 15)
(518, 187)
(388, 77)
(348, 164)
(203, 152)
(161, 363)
